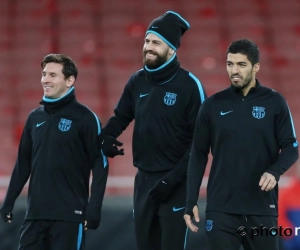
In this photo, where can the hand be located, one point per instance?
(161, 190)
(6, 216)
(91, 224)
(188, 219)
(267, 182)
(109, 145)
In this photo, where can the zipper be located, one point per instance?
(243, 101)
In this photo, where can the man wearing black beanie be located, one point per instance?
(164, 100)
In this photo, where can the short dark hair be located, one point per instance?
(69, 67)
(245, 47)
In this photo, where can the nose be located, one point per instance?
(148, 46)
(234, 69)
(44, 79)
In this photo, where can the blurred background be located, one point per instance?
(105, 39)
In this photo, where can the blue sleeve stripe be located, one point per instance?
(99, 131)
(98, 123)
(79, 239)
(104, 159)
(295, 144)
(185, 238)
(201, 90)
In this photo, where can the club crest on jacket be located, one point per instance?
(170, 98)
(258, 112)
(64, 124)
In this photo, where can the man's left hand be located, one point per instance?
(267, 182)
(109, 146)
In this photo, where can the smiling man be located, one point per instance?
(54, 81)
(250, 132)
(58, 150)
(156, 52)
(164, 100)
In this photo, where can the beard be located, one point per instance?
(243, 84)
(153, 64)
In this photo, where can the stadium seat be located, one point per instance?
(105, 38)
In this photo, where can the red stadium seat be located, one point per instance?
(105, 38)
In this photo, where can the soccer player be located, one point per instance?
(58, 150)
(163, 99)
(249, 130)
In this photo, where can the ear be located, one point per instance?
(256, 67)
(171, 51)
(70, 81)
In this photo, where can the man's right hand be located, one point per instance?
(109, 146)
(6, 216)
(188, 219)
(91, 224)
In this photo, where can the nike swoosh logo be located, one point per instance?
(142, 95)
(154, 27)
(225, 113)
(175, 209)
(40, 124)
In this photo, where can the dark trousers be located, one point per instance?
(231, 231)
(51, 235)
(158, 226)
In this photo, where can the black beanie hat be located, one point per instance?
(169, 27)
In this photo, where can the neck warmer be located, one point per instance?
(164, 73)
(54, 105)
